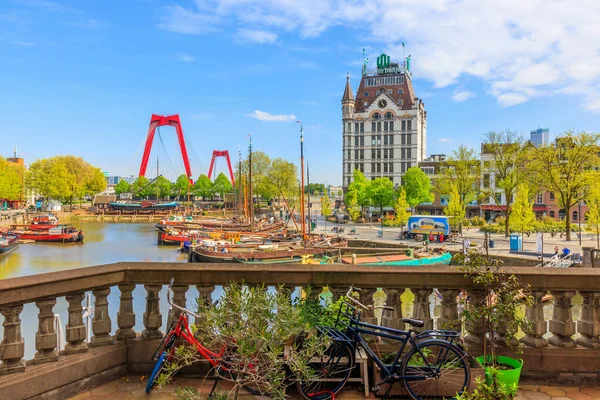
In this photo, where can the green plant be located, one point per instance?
(496, 308)
(484, 391)
(255, 327)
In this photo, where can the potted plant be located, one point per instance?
(497, 312)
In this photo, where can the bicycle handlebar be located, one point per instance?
(182, 309)
(370, 307)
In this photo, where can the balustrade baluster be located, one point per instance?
(45, 337)
(315, 293)
(205, 297)
(366, 297)
(179, 299)
(12, 346)
(538, 327)
(475, 328)
(562, 325)
(393, 319)
(449, 318)
(421, 309)
(152, 315)
(75, 330)
(101, 324)
(126, 316)
(589, 324)
(337, 292)
(285, 290)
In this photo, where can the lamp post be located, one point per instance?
(579, 217)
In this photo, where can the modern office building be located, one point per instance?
(384, 126)
(540, 137)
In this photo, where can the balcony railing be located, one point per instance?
(563, 346)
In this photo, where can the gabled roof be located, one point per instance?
(348, 90)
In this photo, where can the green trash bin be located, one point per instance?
(313, 225)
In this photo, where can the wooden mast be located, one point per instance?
(303, 222)
(251, 196)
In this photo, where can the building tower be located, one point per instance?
(384, 129)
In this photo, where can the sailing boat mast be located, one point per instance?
(302, 187)
(157, 178)
(308, 201)
(250, 185)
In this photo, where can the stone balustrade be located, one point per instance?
(559, 349)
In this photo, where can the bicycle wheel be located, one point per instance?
(438, 371)
(165, 355)
(329, 372)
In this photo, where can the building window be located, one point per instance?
(378, 167)
(372, 168)
(373, 154)
(402, 167)
(408, 153)
(408, 139)
(355, 166)
(349, 154)
(378, 126)
(379, 154)
(391, 125)
(551, 196)
(428, 170)
(385, 140)
(373, 140)
(385, 153)
(400, 102)
(376, 116)
(385, 167)
(349, 168)
(391, 153)
(362, 140)
(540, 198)
(356, 154)
(362, 167)
(378, 140)
(575, 215)
(366, 104)
(362, 154)
(349, 127)
(409, 125)
(356, 140)
(391, 167)
(552, 214)
(356, 127)
(362, 127)
(486, 181)
(403, 153)
(373, 125)
(388, 115)
(385, 126)
(403, 125)
(391, 139)
(498, 198)
(366, 93)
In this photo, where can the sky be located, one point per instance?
(84, 77)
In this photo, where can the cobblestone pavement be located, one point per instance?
(133, 387)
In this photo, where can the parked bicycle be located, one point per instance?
(432, 367)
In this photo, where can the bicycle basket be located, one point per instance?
(348, 316)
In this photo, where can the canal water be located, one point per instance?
(104, 243)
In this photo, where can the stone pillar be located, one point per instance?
(421, 309)
(562, 325)
(12, 345)
(101, 324)
(152, 315)
(205, 297)
(393, 319)
(285, 290)
(337, 292)
(589, 324)
(538, 327)
(75, 330)
(45, 337)
(126, 316)
(475, 329)
(366, 297)
(449, 318)
(586, 261)
(179, 299)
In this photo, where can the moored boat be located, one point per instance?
(287, 260)
(399, 259)
(58, 234)
(43, 222)
(200, 254)
(8, 242)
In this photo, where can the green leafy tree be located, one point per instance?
(522, 215)
(122, 187)
(95, 183)
(50, 178)
(261, 164)
(359, 188)
(325, 208)
(401, 206)
(593, 215)
(455, 208)
(417, 186)
(203, 187)
(353, 208)
(566, 169)
(222, 185)
(140, 187)
(315, 188)
(11, 180)
(381, 193)
(282, 176)
(460, 175)
(506, 165)
(181, 186)
(164, 187)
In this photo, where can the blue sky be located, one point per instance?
(83, 77)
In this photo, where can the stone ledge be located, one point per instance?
(68, 372)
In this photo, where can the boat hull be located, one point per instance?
(7, 245)
(73, 237)
(215, 257)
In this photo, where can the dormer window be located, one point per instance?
(388, 115)
(366, 93)
(376, 116)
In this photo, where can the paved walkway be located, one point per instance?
(133, 387)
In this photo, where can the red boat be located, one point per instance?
(43, 222)
(58, 234)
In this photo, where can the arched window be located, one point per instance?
(388, 115)
(376, 116)
(575, 215)
(551, 214)
(561, 214)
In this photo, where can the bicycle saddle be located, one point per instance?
(414, 322)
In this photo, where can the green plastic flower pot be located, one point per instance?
(509, 377)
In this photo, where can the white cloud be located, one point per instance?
(186, 58)
(23, 43)
(265, 116)
(521, 49)
(461, 95)
(445, 140)
(256, 36)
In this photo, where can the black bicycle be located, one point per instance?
(430, 364)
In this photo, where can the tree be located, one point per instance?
(164, 187)
(325, 208)
(222, 185)
(522, 215)
(181, 185)
(282, 176)
(381, 193)
(359, 188)
(11, 180)
(122, 187)
(50, 178)
(315, 188)
(96, 182)
(456, 208)
(353, 208)
(593, 215)
(566, 169)
(506, 165)
(203, 187)
(460, 175)
(417, 186)
(261, 163)
(400, 207)
(140, 187)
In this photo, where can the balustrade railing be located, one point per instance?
(560, 332)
